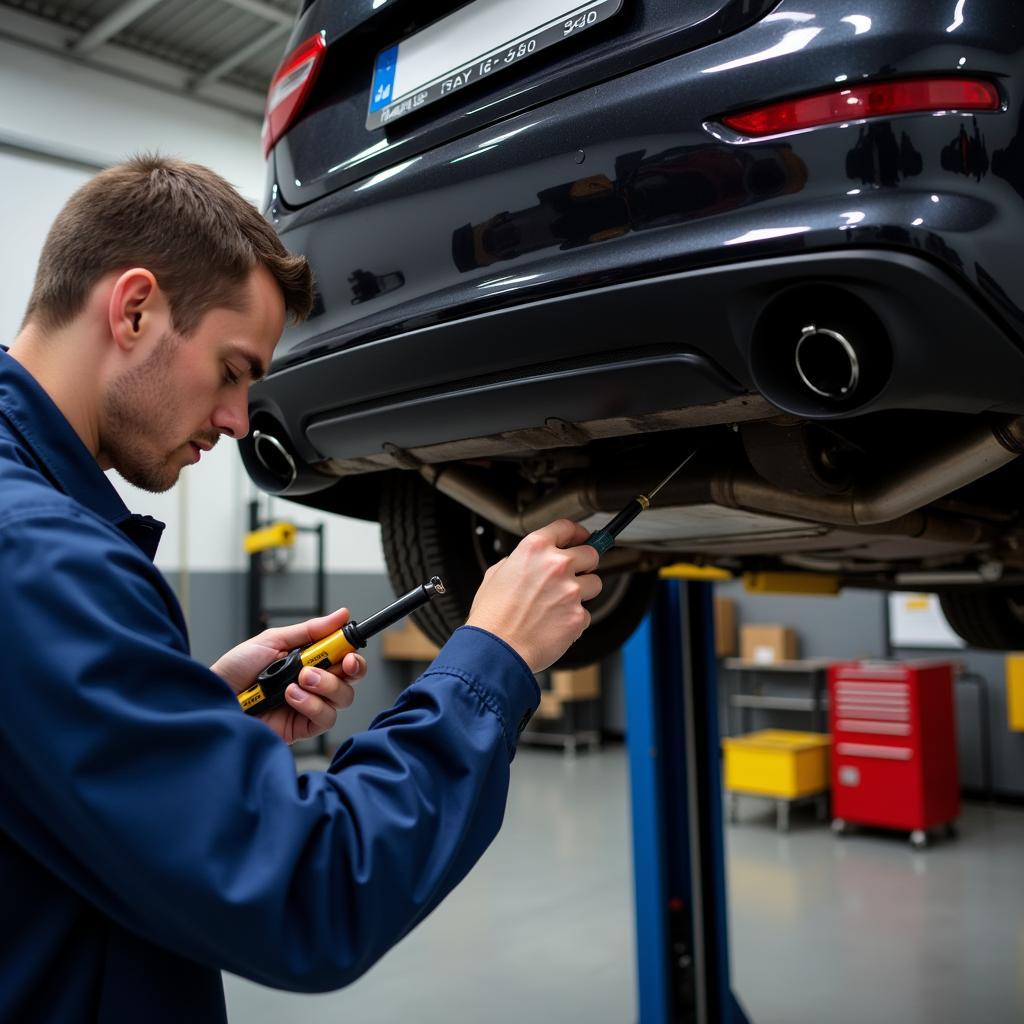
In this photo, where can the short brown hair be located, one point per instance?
(181, 221)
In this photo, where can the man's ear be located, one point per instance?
(137, 308)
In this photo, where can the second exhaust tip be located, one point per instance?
(827, 363)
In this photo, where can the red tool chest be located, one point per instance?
(894, 757)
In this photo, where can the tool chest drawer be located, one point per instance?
(894, 762)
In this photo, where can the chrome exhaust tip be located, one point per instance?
(827, 363)
(275, 458)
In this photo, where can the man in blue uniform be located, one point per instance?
(150, 832)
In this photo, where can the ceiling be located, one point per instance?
(223, 52)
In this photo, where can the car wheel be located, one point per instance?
(425, 533)
(991, 618)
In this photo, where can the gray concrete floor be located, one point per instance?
(823, 929)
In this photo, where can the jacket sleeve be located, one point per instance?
(130, 772)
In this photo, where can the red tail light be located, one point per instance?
(290, 88)
(856, 102)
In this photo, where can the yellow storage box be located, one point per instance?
(1015, 691)
(777, 763)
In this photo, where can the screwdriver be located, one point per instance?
(604, 538)
(267, 692)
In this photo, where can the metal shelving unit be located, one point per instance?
(577, 727)
(754, 677)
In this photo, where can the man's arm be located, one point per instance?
(182, 818)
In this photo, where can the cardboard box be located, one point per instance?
(550, 706)
(767, 644)
(576, 684)
(407, 643)
(725, 627)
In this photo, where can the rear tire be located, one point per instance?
(992, 619)
(426, 534)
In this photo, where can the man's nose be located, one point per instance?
(232, 418)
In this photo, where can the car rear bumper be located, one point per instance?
(581, 366)
(605, 256)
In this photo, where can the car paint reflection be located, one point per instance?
(670, 187)
(879, 159)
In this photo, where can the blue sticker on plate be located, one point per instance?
(384, 78)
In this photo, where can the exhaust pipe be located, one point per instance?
(890, 506)
(988, 572)
(827, 363)
(983, 451)
(471, 489)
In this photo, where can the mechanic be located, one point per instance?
(150, 832)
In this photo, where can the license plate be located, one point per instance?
(475, 42)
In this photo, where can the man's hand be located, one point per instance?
(533, 599)
(312, 706)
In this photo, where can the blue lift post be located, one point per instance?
(675, 778)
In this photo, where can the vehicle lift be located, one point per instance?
(267, 536)
(675, 779)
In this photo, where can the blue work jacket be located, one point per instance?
(150, 832)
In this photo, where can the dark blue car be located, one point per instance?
(558, 245)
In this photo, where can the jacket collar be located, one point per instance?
(63, 457)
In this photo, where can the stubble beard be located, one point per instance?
(140, 411)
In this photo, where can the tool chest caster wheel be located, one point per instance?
(918, 839)
(839, 827)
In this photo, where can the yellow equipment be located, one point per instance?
(777, 763)
(791, 583)
(1015, 691)
(686, 571)
(277, 535)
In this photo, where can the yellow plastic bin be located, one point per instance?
(777, 763)
(1015, 691)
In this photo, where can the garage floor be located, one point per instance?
(843, 930)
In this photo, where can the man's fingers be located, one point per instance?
(321, 713)
(584, 558)
(564, 533)
(590, 586)
(353, 667)
(570, 536)
(328, 687)
(317, 629)
(301, 634)
(350, 669)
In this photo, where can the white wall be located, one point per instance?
(60, 102)
(33, 192)
(55, 102)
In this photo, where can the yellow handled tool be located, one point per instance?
(268, 690)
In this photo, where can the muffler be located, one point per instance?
(890, 497)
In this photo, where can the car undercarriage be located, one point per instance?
(534, 308)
